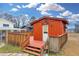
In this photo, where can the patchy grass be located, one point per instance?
(10, 49)
(61, 53)
(55, 54)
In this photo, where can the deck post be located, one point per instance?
(6, 36)
(0, 36)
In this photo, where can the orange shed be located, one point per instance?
(48, 26)
(46, 35)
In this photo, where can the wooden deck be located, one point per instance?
(34, 47)
(36, 43)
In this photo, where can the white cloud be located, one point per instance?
(70, 20)
(75, 16)
(18, 6)
(45, 13)
(50, 6)
(26, 15)
(51, 16)
(24, 6)
(30, 5)
(66, 13)
(60, 16)
(14, 9)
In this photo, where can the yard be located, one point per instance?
(70, 49)
(72, 46)
(10, 49)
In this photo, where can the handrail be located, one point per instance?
(62, 34)
(59, 35)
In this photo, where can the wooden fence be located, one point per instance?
(19, 38)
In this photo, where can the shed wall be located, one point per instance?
(55, 28)
(37, 31)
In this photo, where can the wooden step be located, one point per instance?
(31, 52)
(33, 49)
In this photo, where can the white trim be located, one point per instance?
(11, 29)
(45, 35)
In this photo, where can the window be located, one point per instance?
(5, 25)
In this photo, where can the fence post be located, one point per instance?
(6, 36)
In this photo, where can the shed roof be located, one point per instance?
(51, 18)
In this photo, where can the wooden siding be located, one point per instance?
(37, 31)
(63, 39)
(55, 28)
(56, 43)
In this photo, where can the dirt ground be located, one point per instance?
(72, 46)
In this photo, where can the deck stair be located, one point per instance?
(35, 47)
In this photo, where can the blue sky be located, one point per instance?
(7, 7)
(70, 11)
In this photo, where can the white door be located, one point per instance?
(45, 33)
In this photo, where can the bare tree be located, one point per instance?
(32, 18)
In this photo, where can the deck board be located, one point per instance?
(36, 43)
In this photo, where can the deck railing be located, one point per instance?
(63, 39)
(56, 43)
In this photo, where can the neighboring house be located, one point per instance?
(5, 25)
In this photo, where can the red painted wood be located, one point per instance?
(36, 43)
(56, 27)
(37, 31)
(33, 49)
(31, 52)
